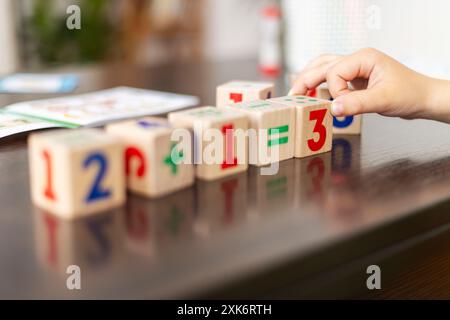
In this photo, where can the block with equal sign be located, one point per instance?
(273, 125)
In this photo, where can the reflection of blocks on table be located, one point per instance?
(314, 123)
(154, 225)
(278, 123)
(174, 217)
(140, 226)
(221, 203)
(312, 179)
(155, 164)
(92, 243)
(270, 192)
(220, 143)
(341, 125)
(242, 91)
(76, 172)
(346, 157)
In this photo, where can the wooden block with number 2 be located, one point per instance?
(76, 172)
(314, 124)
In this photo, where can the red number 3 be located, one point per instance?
(319, 116)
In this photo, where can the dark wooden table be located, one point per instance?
(308, 232)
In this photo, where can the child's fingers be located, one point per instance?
(355, 66)
(321, 60)
(311, 78)
(358, 102)
(308, 80)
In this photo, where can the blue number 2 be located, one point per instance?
(97, 192)
(342, 123)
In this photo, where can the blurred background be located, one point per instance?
(279, 33)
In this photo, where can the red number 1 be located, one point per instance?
(319, 116)
(48, 191)
(230, 160)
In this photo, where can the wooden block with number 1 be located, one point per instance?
(76, 172)
(242, 91)
(155, 165)
(314, 124)
(220, 144)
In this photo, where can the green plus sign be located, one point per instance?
(174, 158)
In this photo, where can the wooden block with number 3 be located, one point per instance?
(76, 172)
(314, 124)
(155, 165)
(220, 144)
(242, 91)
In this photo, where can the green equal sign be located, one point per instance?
(278, 130)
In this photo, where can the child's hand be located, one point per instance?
(381, 85)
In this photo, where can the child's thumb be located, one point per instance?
(356, 102)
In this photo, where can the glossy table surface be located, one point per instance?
(309, 231)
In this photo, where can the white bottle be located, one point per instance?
(8, 59)
(270, 41)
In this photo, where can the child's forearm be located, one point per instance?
(438, 104)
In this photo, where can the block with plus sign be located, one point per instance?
(241, 91)
(314, 124)
(155, 164)
(220, 143)
(76, 172)
(273, 125)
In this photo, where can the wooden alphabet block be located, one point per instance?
(76, 172)
(273, 125)
(341, 125)
(242, 91)
(220, 144)
(155, 164)
(314, 124)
